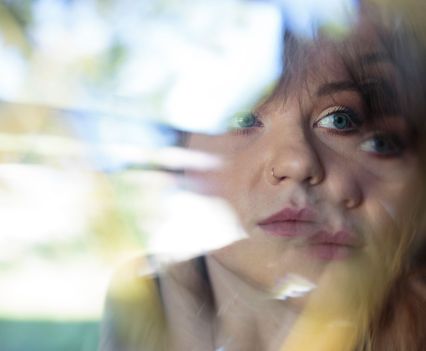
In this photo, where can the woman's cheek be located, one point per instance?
(389, 213)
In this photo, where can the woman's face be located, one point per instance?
(314, 176)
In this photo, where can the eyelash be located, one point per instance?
(393, 144)
(352, 118)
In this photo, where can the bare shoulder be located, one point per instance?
(133, 314)
(142, 296)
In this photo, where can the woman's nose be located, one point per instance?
(293, 157)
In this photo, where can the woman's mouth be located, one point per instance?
(290, 222)
(318, 242)
(325, 245)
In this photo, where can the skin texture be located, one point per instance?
(343, 177)
(362, 179)
(331, 138)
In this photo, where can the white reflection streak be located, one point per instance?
(214, 83)
(119, 154)
(39, 204)
(292, 286)
(389, 209)
(190, 225)
(12, 70)
(167, 157)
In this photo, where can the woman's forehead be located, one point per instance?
(357, 59)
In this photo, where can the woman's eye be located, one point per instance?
(339, 121)
(242, 123)
(383, 145)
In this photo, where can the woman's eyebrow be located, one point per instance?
(379, 96)
(333, 87)
(367, 59)
(368, 86)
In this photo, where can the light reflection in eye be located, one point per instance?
(243, 123)
(383, 144)
(341, 119)
(244, 120)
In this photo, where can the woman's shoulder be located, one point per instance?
(139, 296)
(143, 277)
(132, 308)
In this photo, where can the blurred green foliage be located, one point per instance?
(39, 335)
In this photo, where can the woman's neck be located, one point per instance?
(247, 317)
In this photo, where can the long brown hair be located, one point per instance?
(398, 320)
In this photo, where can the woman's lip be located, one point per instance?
(290, 222)
(290, 215)
(328, 246)
(319, 244)
(289, 228)
(314, 235)
(329, 252)
(338, 238)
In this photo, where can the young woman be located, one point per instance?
(326, 177)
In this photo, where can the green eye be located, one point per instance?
(245, 121)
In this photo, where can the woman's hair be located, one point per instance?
(398, 322)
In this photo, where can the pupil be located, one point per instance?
(380, 144)
(340, 122)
